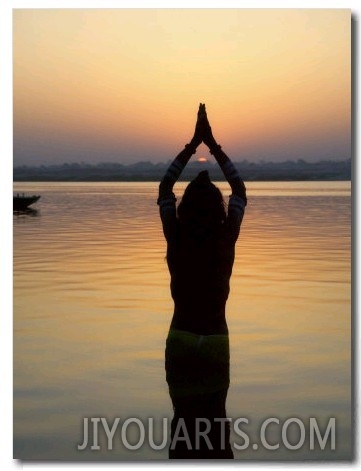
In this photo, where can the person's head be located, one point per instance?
(202, 207)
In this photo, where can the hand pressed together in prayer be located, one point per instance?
(203, 130)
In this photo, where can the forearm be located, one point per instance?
(174, 170)
(230, 172)
(176, 167)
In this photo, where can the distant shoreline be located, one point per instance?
(180, 180)
(299, 170)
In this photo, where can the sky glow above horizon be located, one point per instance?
(123, 85)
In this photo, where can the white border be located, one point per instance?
(6, 7)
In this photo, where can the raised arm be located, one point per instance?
(238, 198)
(166, 198)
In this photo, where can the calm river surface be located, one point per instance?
(92, 309)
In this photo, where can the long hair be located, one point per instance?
(201, 211)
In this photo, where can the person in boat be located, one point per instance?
(201, 236)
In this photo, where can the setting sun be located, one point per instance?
(202, 159)
(123, 85)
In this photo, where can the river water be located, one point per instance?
(92, 309)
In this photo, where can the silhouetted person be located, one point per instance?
(201, 239)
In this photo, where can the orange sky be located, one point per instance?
(124, 85)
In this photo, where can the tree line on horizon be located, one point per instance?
(148, 171)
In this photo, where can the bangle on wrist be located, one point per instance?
(214, 148)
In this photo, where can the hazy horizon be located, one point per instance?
(123, 85)
(205, 160)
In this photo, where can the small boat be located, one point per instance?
(22, 202)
